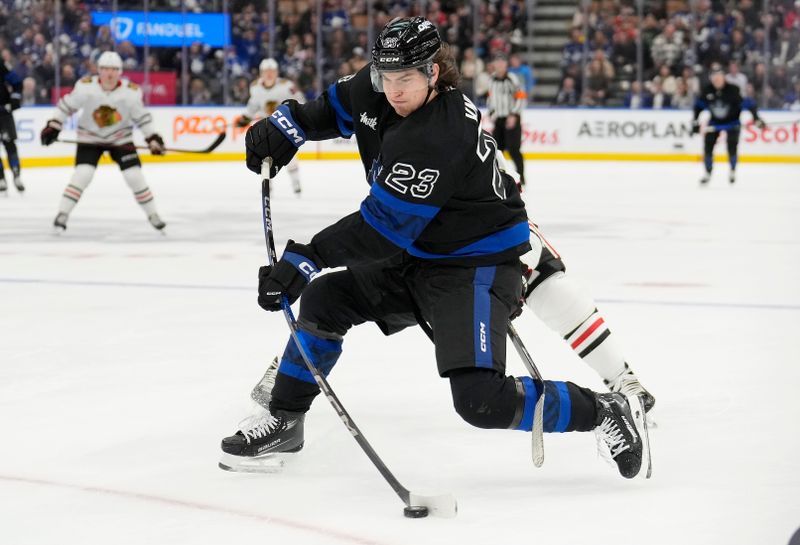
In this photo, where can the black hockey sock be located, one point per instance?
(584, 408)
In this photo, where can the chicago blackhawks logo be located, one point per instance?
(105, 116)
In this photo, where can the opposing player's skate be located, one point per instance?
(156, 221)
(3, 187)
(704, 180)
(621, 431)
(262, 392)
(732, 177)
(263, 441)
(628, 384)
(60, 223)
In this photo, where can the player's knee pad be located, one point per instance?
(326, 306)
(484, 398)
(560, 303)
(82, 176)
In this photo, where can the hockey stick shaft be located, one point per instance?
(444, 505)
(537, 433)
(214, 145)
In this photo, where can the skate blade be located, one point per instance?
(269, 463)
(640, 421)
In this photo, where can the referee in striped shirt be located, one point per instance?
(506, 100)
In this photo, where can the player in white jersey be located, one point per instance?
(110, 107)
(266, 94)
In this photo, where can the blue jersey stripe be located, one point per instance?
(401, 227)
(564, 407)
(482, 315)
(405, 207)
(343, 120)
(375, 219)
(492, 244)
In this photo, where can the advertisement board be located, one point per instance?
(548, 134)
(160, 29)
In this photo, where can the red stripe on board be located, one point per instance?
(588, 332)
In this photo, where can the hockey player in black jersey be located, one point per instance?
(437, 240)
(725, 103)
(10, 96)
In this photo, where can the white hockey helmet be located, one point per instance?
(110, 59)
(268, 64)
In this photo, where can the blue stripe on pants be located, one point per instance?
(482, 316)
(531, 396)
(323, 354)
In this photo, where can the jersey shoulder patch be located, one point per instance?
(133, 85)
(86, 79)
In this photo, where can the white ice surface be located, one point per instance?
(126, 356)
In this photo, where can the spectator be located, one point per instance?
(597, 83)
(637, 98)
(523, 72)
(623, 53)
(198, 92)
(472, 67)
(668, 82)
(668, 46)
(572, 54)
(29, 97)
(567, 94)
(736, 77)
(792, 99)
(682, 99)
(660, 99)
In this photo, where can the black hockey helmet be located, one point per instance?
(406, 42)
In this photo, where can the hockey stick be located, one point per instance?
(537, 433)
(443, 505)
(214, 145)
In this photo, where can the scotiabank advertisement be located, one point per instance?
(547, 134)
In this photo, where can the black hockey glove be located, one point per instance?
(527, 272)
(243, 121)
(155, 143)
(289, 277)
(277, 136)
(759, 123)
(50, 132)
(695, 127)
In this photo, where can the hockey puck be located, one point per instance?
(415, 512)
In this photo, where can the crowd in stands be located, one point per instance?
(29, 44)
(760, 50)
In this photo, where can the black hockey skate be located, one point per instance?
(628, 384)
(621, 430)
(156, 221)
(60, 223)
(17, 179)
(3, 186)
(261, 441)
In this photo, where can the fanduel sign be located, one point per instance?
(166, 29)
